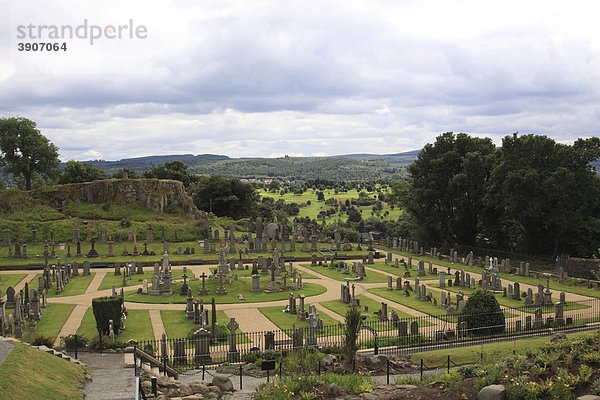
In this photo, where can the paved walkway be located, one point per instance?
(72, 324)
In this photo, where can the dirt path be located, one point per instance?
(157, 323)
(252, 320)
(95, 283)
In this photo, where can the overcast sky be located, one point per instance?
(266, 78)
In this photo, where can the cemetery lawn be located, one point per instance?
(137, 326)
(77, 285)
(339, 276)
(111, 279)
(512, 303)
(240, 286)
(54, 317)
(397, 296)
(248, 273)
(290, 321)
(178, 326)
(554, 283)
(31, 374)
(7, 280)
(388, 269)
(340, 308)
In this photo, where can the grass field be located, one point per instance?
(31, 374)
(77, 285)
(315, 206)
(240, 286)
(7, 280)
(54, 317)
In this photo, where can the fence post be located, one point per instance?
(240, 376)
(154, 387)
(421, 369)
(135, 360)
(319, 367)
(203, 370)
(76, 344)
(448, 362)
(280, 365)
(388, 372)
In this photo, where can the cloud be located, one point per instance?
(296, 77)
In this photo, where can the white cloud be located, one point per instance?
(296, 77)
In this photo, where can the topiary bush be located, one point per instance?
(105, 309)
(482, 314)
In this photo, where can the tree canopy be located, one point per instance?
(77, 171)
(25, 152)
(175, 170)
(225, 196)
(530, 195)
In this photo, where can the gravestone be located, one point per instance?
(86, 268)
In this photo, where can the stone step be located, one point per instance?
(129, 360)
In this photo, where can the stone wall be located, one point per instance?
(581, 267)
(155, 195)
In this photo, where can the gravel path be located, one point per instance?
(5, 349)
(110, 379)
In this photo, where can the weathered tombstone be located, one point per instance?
(255, 284)
(86, 268)
(202, 347)
(233, 354)
(414, 327)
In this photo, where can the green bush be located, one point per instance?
(105, 309)
(482, 314)
(73, 341)
(107, 343)
(41, 340)
(353, 324)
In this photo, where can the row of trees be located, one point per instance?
(531, 195)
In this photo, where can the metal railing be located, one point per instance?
(401, 335)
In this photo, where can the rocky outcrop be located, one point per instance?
(156, 195)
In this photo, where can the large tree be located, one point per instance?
(446, 188)
(25, 152)
(77, 171)
(225, 196)
(543, 197)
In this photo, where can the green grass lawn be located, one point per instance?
(117, 280)
(54, 317)
(87, 328)
(338, 275)
(77, 285)
(177, 326)
(7, 280)
(239, 286)
(290, 321)
(316, 206)
(31, 374)
(340, 308)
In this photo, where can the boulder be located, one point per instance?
(589, 397)
(222, 382)
(492, 392)
(185, 390)
(198, 387)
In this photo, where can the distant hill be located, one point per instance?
(344, 167)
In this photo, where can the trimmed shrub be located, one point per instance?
(105, 309)
(482, 314)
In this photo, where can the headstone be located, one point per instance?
(86, 268)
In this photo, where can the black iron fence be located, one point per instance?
(386, 335)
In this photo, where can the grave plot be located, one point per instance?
(406, 268)
(76, 285)
(298, 316)
(374, 311)
(342, 271)
(117, 276)
(232, 287)
(177, 325)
